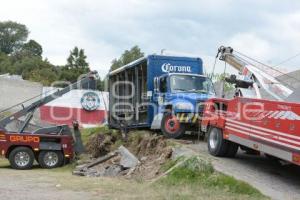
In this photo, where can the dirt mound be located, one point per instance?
(150, 149)
(151, 146)
(101, 143)
(153, 151)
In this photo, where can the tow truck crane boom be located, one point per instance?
(259, 77)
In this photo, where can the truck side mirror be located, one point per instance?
(156, 84)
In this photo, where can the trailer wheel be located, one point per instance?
(51, 159)
(21, 158)
(171, 127)
(217, 146)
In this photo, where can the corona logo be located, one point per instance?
(167, 67)
(19, 138)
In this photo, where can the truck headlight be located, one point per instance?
(184, 106)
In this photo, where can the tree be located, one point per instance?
(127, 57)
(12, 36)
(32, 48)
(5, 63)
(76, 66)
(100, 84)
(77, 59)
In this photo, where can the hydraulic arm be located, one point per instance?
(260, 78)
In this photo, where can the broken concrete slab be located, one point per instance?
(98, 161)
(91, 173)
(113, 170)
(128, 160)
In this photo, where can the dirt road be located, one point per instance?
(272, 179)
(35, 186)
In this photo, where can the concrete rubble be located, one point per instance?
(120, 162)
(128, 160)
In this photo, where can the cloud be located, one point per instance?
(267, 30)
(251, 44)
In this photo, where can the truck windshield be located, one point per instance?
(190, 83)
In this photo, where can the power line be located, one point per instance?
(288, 59)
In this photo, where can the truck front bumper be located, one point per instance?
(188, 117)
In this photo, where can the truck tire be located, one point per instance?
(21, 158)
(171, 127)
(216, 144)
(232, 149)
(50, 159)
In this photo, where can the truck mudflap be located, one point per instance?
(188, 117)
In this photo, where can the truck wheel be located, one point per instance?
(171, 127)
(217, 146)
(232, 149)
(51, 159)
(21, 158)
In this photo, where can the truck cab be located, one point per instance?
(180, 98)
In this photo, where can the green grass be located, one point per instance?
(170, 163)
(196, 171)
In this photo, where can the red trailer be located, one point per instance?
(271, 127)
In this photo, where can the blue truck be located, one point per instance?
(159, 92)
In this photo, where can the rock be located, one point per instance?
(91, 173)
(113, 170)
(79, 167)
(78, 173)
(128, 160)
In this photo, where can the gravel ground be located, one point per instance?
(271, 178)
(34, 185)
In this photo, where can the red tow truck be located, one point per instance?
(50, 146)
(250, 120)
(50, 150)
(271, 127)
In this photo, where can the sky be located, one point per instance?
(267, 30)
